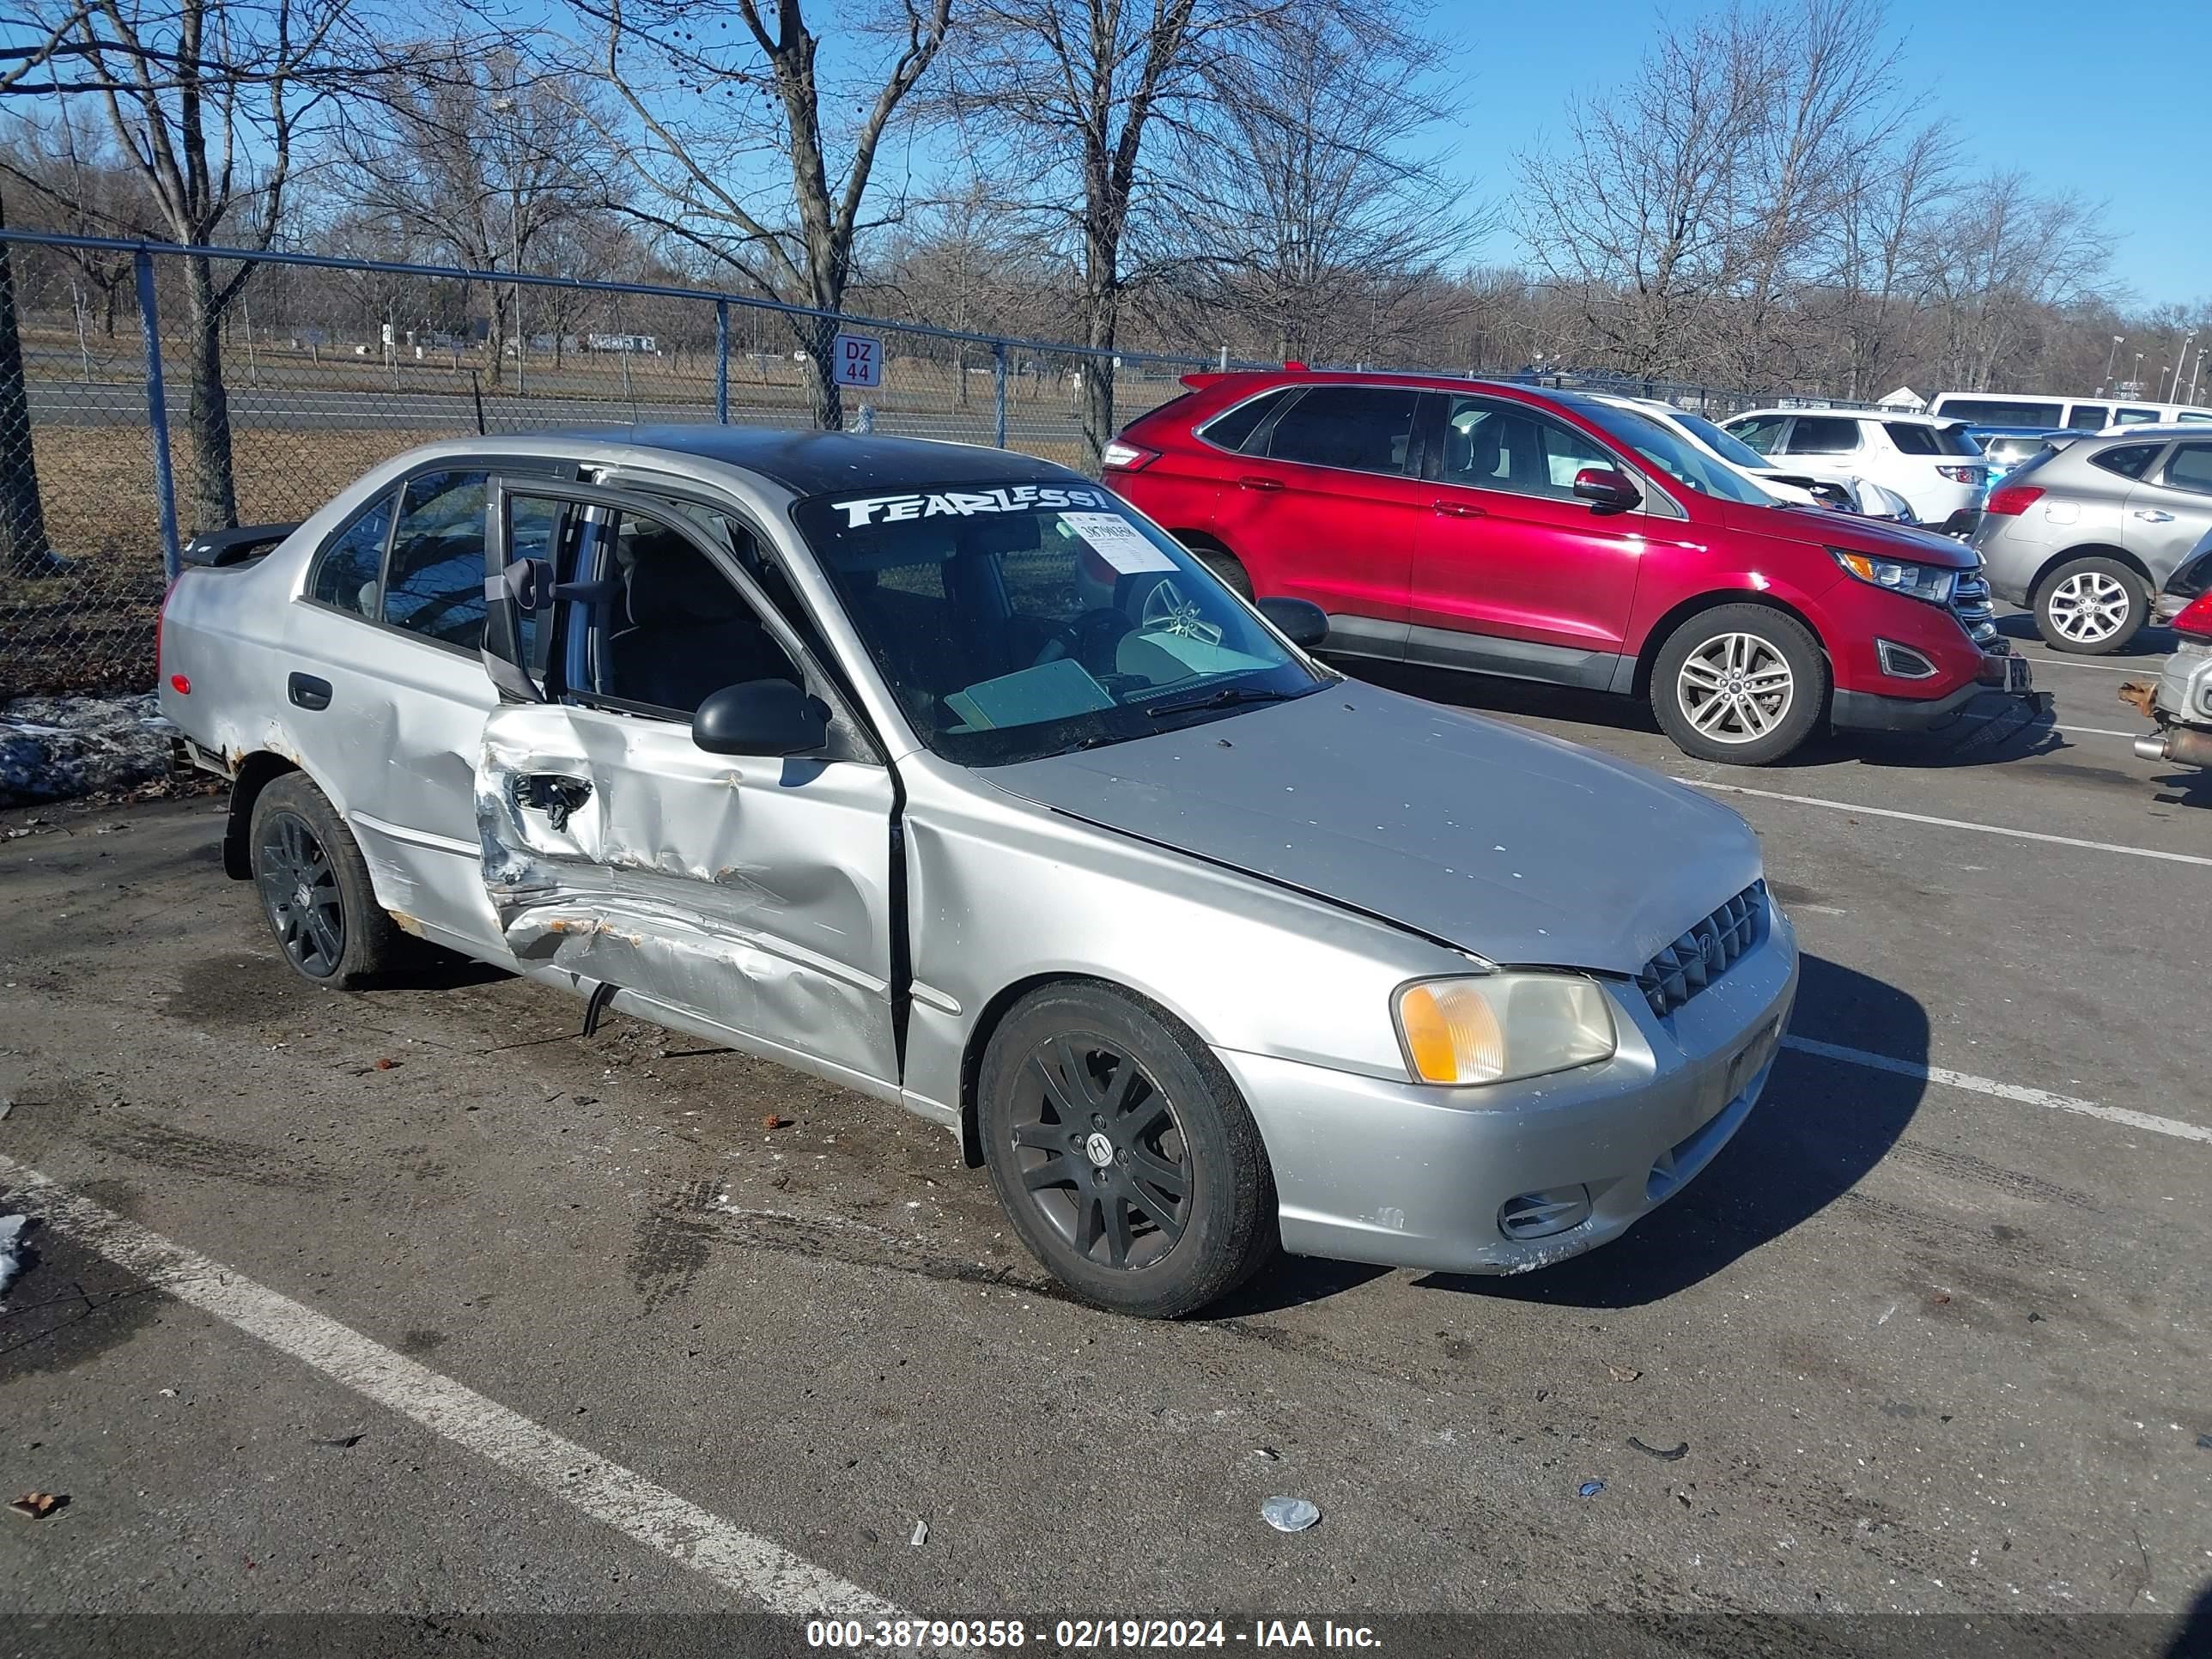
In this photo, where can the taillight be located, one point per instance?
(1966, 475)
(2196, 617)
(160, 627)
(1123, 457)
(2009, 501)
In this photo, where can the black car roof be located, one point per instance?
(815, 463)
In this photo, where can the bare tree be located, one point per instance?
(480, 165)
(1633, 213)
(22, 517)
(2009, 257)
(702, 115)
(1057, 99)
(1329, 216)
(206, 99)
(1880, 259)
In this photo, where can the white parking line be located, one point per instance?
(741, 1561)
(1950, 823)
(2089, 731)
(2104, 667)
(1983, 1085)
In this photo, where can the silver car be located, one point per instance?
(938, 772)
(2084, 535)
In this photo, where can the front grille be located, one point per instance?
(1705, 952)
(1970, 604)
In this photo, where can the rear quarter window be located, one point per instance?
(347, 569)
(1234, 429)
(1823, 435)
(1911, 440)
(2128, 460)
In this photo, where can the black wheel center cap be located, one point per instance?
(1098, 1149)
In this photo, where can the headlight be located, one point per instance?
(1931, 582)
(1502, 1026)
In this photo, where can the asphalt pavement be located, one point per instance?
(415, 1306)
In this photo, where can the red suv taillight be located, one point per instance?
(2009, 501)
(2196, 617)
(1121, 456)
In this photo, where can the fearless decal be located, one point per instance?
(960, 503)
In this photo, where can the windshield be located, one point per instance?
(1726, 445)
(1675, 455)
(1030, 619)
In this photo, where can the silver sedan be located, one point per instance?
(941, 773)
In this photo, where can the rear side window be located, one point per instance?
(2002, 412)
(2134, 418)
(435, 584)
(346, 573)
(1761, 432)
(1821, 435)
(2128, 460)
(2191, 468)
(1911, 440)
(2090, 417)
(1364, 429)
(1235, 429)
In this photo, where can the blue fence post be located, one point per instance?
(999, 388)
(157, 416)
(722, 362)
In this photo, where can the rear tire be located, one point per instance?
(1123, 1153)
(2091, 607)
(1744, 683)
(315, 889)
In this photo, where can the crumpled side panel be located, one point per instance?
(749, 892)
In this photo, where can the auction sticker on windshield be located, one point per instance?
(1118, 542)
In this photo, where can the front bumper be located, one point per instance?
(1369, 1170)
(1871, 711)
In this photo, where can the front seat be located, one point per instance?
(691, 633)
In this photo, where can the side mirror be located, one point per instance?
(1301, 621)
(1606, 490)
(761, 717)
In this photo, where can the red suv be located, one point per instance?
(1546, 536)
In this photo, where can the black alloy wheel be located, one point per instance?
(300, 890)
(1100, 1152)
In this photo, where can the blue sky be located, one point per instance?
(2107, 100)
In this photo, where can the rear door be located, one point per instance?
(1329, 513)
(2170, 511)
(1509, 552)
(748, 898)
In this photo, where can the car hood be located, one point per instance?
(1877, 538)
(1516, 846)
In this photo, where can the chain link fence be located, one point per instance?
(161, 393)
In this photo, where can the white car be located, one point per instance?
(1729, 451)
(1931, 462)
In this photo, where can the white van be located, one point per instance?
(2055, 414)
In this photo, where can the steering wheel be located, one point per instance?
(1091, 640)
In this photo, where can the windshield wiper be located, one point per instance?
(1222, 699)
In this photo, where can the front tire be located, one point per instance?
(2091, 607)
(1122, 1152)
(1225, 566)
(315, 889)
(1744, 683)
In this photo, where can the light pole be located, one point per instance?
(2173, 391)
(2135, 379)
(2118, 340)
(2194, 372)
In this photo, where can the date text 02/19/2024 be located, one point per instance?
(1083, 1635)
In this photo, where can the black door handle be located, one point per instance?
(308, 692)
